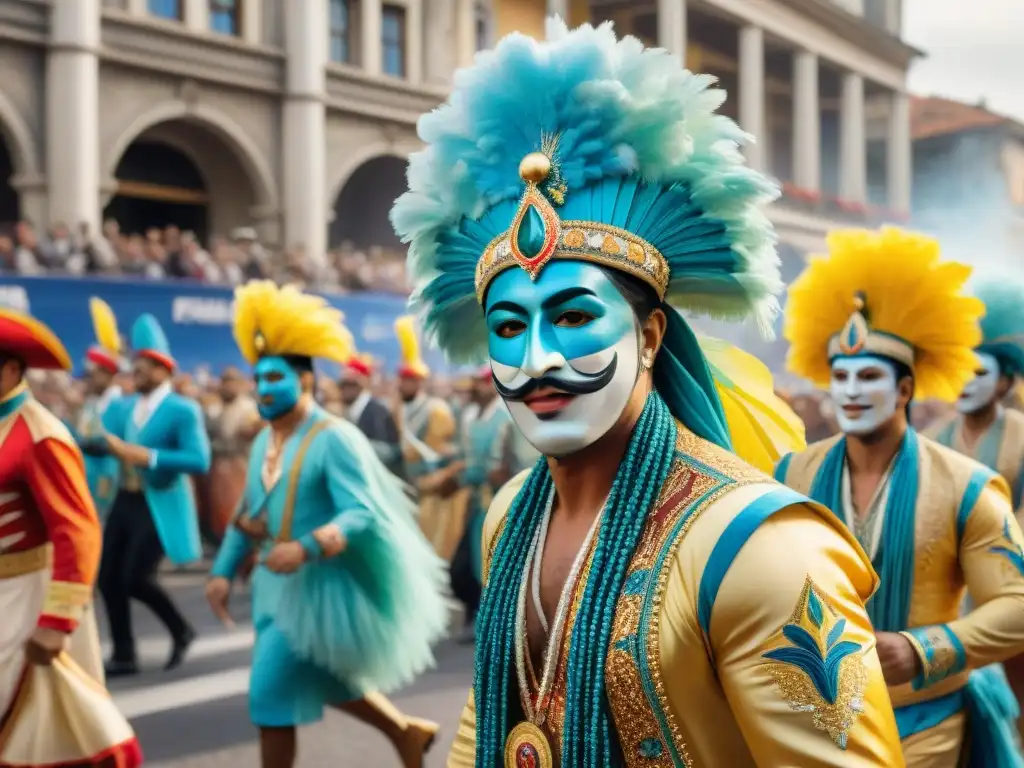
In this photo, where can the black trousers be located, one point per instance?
(131, 555)
(465, 587)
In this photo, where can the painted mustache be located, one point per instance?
(572, 382)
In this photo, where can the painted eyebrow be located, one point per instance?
(560, 297)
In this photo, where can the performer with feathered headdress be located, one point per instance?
(103, 363)
(347, 596)
(650, 599)
(429, 434)
(985, 430)
(881, 320)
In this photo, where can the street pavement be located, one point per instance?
(197, 715)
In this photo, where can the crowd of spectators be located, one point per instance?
(169, 253)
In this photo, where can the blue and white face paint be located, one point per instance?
(565, 352)
(278, 387)
(865, 392)
(982, 388)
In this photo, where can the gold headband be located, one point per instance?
(589, 241)
(857, 338)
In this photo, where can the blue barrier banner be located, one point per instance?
(197, 318)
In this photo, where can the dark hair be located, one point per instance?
(638, 294)
(6, 357)
(903, 371)
(301, 363)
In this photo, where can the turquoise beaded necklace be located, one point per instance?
(588, 737)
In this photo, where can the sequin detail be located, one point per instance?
(649, 733)
(817, 667)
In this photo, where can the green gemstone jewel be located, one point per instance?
(531, 233)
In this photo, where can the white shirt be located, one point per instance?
(110, 394)
(355, 410)
(146, 405)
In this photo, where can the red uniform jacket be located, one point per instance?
(44, 499)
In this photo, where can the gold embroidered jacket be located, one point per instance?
(964, 536)
(1001, 448)
(733, 572)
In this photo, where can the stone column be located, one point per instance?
(751, 84)
(304, 134)
(137, 7)
(465, 32)
(559, 8)
(252, 21)
(414, 41)
(371, 37)
(806, 122)
(197, 15)
(72, 113)
(853, 164)
(672, 27)
(900, 154)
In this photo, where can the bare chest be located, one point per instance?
(564, 540)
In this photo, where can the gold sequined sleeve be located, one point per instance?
(992, 560)
(463, 751)
(792, 644)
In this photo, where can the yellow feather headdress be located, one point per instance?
(409, 344)
(285, 321)
(885, 293)
(105, 326)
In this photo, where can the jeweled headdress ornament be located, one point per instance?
(887, 294)
(285, 321)
(590, 148)
(1002, 327)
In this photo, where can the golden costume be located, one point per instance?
(428, 436)
(712, 617)
(940, 524)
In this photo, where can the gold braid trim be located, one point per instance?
(67, 600)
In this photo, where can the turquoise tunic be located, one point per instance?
(481, 430)
(339, 627)
(102, 471)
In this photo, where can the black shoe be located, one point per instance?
(179, 649)
(115, 668)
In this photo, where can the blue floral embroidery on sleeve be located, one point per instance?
(817, 668)
(1012, 551)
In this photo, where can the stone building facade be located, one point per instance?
(296, 116)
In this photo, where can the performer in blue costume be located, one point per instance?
(102, 364)
(160, 439)
(650, 599)
(348, 595)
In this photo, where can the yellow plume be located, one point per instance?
(105, 326)
(409, 344)
(907, 293)
(285, 321)
(763, 427)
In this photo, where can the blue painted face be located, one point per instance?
(565, 351)
(277, 387)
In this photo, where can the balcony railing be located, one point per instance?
(827, 206)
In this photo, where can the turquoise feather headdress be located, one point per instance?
(584, 147)
(1003, 325)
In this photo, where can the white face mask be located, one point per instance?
(865, 393)
(982, 389)
(538, 344)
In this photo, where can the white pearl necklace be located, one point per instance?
(557, 630)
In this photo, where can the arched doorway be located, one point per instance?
(158, 185)
(195, 171)
(10, 208)
(363, 205)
